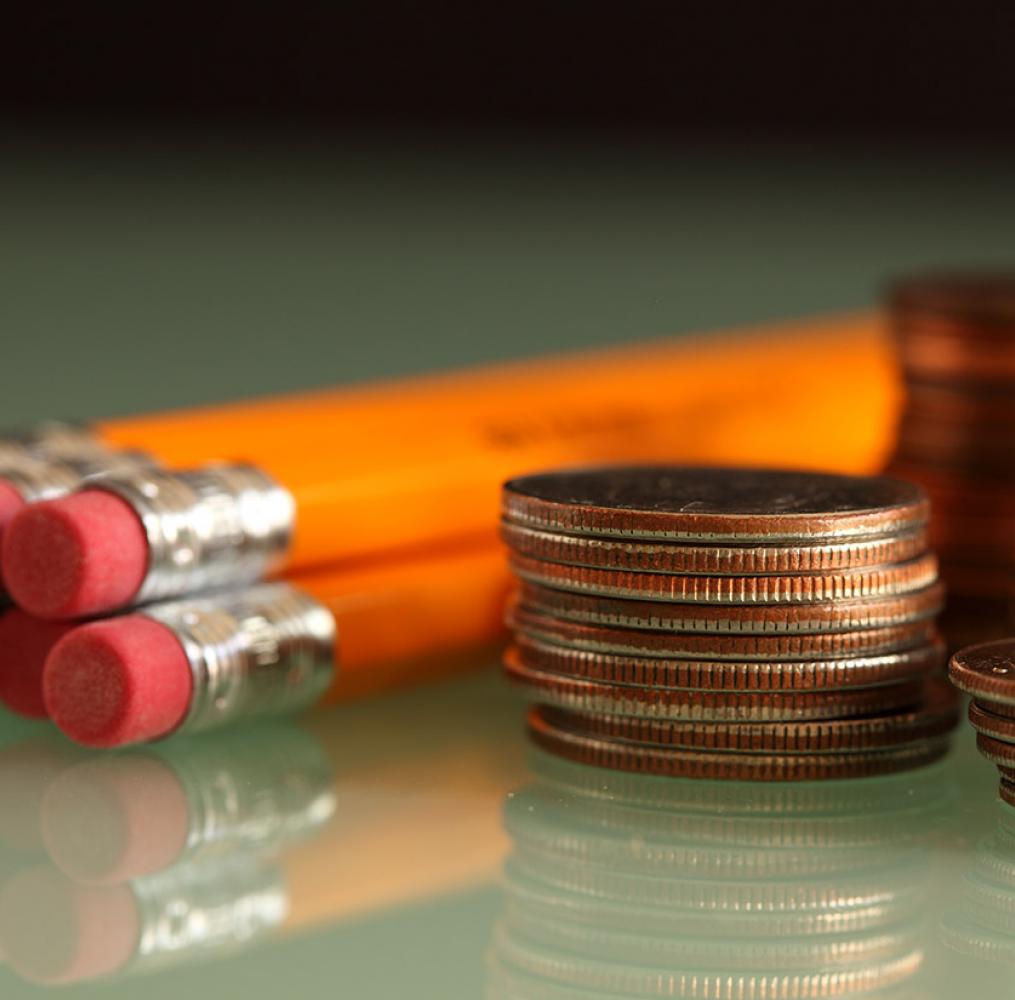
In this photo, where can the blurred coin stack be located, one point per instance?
(956, 339)
(987, 673)
(727, 623)
(628, 885)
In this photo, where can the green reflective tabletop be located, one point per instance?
(415, 845)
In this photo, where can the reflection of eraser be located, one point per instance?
(25, 643)
(119, 681)
(75, 556)
(26, 769)
(112, 819)
(55, 931)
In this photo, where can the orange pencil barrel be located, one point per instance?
(399, 464)
(413, 620)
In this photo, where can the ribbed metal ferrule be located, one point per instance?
(265, 650)
(220, 526)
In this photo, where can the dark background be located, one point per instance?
(888, 73)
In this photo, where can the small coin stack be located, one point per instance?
(634, 886)
(727, 623)
(987, 673)
(956, 339)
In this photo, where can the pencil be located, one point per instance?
(361, 472)
(273, 648)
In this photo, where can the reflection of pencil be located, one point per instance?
(274, 647)
(414, 798)
(341, 475)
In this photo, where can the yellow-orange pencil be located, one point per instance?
(271, 648)
(354, 473)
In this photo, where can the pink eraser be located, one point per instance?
(112, 819)
(55, 931)
(25, 643)
(11, 502)
(79, 555)
(119, 681)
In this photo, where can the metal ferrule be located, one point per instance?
(257, 793)
(46, 441)
(266, 650)
(42, 479)
(220, 526)
(191, 912)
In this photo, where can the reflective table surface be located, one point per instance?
(416, 846)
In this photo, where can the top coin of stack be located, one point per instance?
(956, 340)
(986, 672)
(739, 623)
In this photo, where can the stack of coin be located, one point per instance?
(630, 885)
(727, 623)
(956, 338)
(987, 673)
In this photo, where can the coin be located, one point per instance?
(981, 299)
(1007, 791)
(986, 671)
(937, 715)
(738, 766)
(999, 727)
(750, 706)
(681, 645)
(996, 751)
(662, 557)
(714, 504)
(729, 675)
(828, 616)
(787, 588)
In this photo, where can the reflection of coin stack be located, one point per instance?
(987, 673)
(727, 623)
(956, 337)
(983, 925)
(632, 886)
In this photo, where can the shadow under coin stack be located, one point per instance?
(956, 338)
(727, 623)
(987, 673)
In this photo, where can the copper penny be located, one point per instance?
(1007, 791)
(789, 588)
(984, 300)
(828, 616)
(662, 557)
(732, 766)
(714, 706)
(998, 727)
(986, 671)
(630, 642)
(935, 716)
(720, 505)
(996, 751)
(729, 675)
